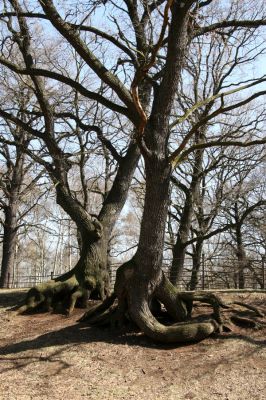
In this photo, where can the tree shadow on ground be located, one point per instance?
(22, 361)
(11, 298)
(81, 334)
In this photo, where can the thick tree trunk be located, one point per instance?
(143, 277)
(90, 276)
(14, 178)
(90, 270)
(151, 240)
(141, 280)
(9, 244)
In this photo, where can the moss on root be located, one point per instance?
(64, 293)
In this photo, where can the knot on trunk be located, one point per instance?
(98, 229)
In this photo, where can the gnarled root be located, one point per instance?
(257, 312)
(135, 299)
(180, 304)
(48, 295)
(64, 292)
(245, 322)
(251, 317)
(98, 309)
(136, 295)
(180, 332)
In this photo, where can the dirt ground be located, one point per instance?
(49, 356)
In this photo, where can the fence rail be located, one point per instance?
(216, 273)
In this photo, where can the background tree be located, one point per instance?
(17, 180)
(247, 198)
(209, 71)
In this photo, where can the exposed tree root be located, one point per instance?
(135, 302)
(179, 332)
(245, 322)
(99, 308)
(64, 293)
(48, 295)
(249, 307)
(88, 277)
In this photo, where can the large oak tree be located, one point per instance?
(155, 55)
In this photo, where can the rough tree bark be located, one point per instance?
(141, 281)
(14, 180)
(9, 243)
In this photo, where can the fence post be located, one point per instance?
(52, 275)
(8, 280)
(203, 270)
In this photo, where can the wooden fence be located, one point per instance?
(215, 273)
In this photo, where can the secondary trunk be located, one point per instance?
(90, 276)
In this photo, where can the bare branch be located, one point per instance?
(230, 24)
(217, 143)
(87, 55)
(176, 156)
(70, 82)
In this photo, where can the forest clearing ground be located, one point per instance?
(50, 356)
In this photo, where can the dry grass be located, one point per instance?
(49, 356)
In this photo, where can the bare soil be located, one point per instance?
(50, 356)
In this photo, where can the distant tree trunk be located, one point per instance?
(242, 259)
(13, 187)
(9, 243)
(179, 249)
(243, 262)
(196, 260)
